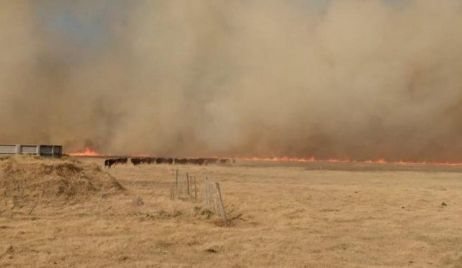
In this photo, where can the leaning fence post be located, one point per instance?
(220, 203)
(213, 191)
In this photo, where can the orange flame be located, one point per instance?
(87, 152)
(345, 161)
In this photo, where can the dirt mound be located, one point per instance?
(32, 180)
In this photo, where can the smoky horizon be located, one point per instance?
(335, 79)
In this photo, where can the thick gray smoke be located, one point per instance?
(349, 79)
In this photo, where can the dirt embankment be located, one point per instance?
(26, 181)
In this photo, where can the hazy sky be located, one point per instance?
(89, 26)
(342, 78)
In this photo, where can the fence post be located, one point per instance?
(187, 183)
(206, 193)
(220, 203)
(212, 199)
(195, 189)
(176, 183)
(216, 206)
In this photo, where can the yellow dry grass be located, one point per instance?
(285, 216)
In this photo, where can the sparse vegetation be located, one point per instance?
(280, 216)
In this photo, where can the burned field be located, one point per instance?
(280, 214)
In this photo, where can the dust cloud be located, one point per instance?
(336, 79)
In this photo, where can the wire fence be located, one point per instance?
(186, 187)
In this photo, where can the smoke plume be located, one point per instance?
(343, 79)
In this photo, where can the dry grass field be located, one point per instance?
(282, 216)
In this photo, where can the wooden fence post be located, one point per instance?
(220, 203)
(213, 190)
(207, 193)
(195, 189)
(187, 184)
(213, 200)
(176, 183)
